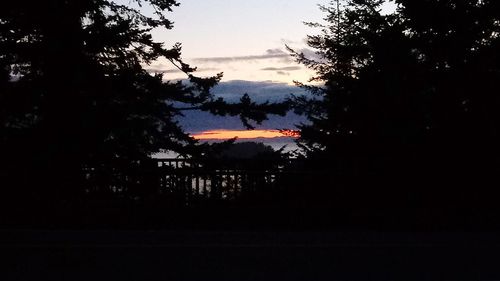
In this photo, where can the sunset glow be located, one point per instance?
(244, 134)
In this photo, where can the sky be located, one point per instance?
(244, 39)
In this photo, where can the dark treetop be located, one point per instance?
(408, 115)
(74, 92)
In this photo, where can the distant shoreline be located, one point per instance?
(275, 143)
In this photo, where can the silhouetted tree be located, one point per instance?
(407, 105)
(74, 92)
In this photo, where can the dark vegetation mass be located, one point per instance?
(403, 132)
(408, 118)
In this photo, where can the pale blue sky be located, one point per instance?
(244, 39)
(239, 27)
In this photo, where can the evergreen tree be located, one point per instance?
(74, 92)
(407, 108)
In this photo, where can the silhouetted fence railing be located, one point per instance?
(186, 180)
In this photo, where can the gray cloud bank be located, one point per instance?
(162, 69)
(269, 54)
(259, 91)
(286, 68)
(197, 121)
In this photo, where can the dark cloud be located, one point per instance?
(286, 68)
(283, 73)
(196, 121)
(199, 121)
(162, 69)
(269, 54)
(258, 90)
(275, 51)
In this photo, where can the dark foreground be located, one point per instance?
(264, 255)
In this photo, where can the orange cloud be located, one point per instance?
(242, 134)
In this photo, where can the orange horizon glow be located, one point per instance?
(244, 134)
